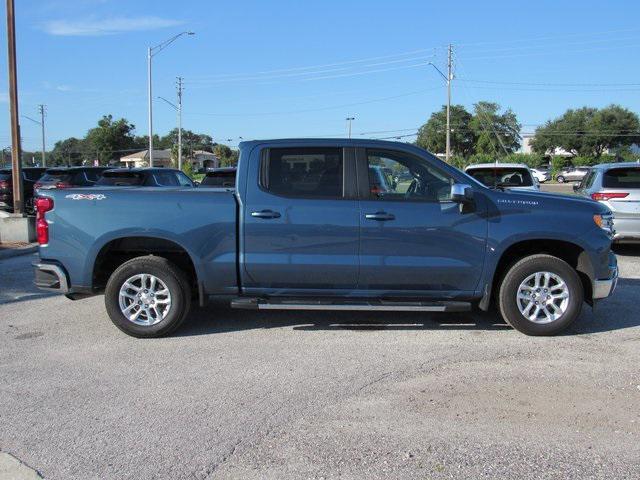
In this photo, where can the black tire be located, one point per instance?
(175, 281)
(560, 179)
(521, 270)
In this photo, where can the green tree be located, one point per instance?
(68, 152)
(432, 135)
(109, 140)
(495, 133)
(589, 132)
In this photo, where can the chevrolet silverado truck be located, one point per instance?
(310, 226)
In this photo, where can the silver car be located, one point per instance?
(572, 174)
(617, 185)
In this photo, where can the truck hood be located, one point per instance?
(548, 201)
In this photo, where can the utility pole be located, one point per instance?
(16, 170)
(349, 120)
(180, 86)
(41, 109)
(151, 51)
(449, 78)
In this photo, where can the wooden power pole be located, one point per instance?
(16, 164)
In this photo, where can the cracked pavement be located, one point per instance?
(288, 395)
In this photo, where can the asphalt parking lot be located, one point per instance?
(246, 395)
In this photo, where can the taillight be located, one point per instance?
(43, 205)
(5, 184)
(604, 196)
(63, 185)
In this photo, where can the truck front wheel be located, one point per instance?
(147, 297)
(540, 295)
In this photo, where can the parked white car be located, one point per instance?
(541, 175)
(515, 176)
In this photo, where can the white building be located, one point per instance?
(526, 147)
(161, 158)
(201, 159)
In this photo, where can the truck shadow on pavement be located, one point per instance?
(219, 318)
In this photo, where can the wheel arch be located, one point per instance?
(115, 251)
(571, 252)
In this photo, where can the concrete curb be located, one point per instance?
(16, 252)
(13, 469)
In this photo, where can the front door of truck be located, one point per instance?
(301, 221)
(413, 237)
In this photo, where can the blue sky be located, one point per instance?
(258, 69)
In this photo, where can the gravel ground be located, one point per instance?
(287, 395)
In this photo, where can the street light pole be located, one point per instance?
(349, 120)
(151, 51)
(150, 106)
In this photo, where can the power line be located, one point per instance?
(316, 67)
(552, 37)
(549, 84)
(332, 107)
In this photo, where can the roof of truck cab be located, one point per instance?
(607, 166)
(497, 165)
(327, 142)
(141, 170)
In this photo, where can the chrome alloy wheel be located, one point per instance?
(144, 299)
(543, 297)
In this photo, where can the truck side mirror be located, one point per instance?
(461, 193)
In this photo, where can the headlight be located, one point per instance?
(605, 222)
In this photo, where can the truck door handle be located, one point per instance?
(380, 216)
(266, 214)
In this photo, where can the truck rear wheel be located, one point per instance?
(540, 295)
(147, 297)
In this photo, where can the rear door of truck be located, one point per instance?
(301, 221)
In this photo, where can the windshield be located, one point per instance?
(220, 179)
(121, 179)
(502, 176)
(622, 178)
(56, 176)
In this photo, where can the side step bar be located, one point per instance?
(334, 305)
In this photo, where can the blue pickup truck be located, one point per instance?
(310, 226)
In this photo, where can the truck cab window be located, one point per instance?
(398, 176)
(303, 172)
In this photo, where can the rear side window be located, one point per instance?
(588, 179)
(121, 179)
(32, 175)
(303, 172)
(93, 175)
(622, 178)
(166, 179)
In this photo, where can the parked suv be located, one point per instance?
(572, 174)
(68, 177)
(145, 177)
(29, 177)
(616, 185)
(515, 176)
